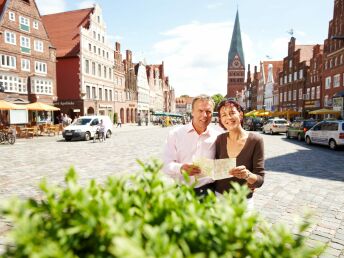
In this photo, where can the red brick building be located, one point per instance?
(27, 57)
(85, 62)
(333, 68)
(292, 78)
(236, 63)
(313, 87)
(130, 88)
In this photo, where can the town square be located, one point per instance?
(108, 89)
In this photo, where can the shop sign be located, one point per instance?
(76, 110)
(65, 103)
(131, 105)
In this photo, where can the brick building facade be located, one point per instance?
(27, 57)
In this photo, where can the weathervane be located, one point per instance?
(290, 32)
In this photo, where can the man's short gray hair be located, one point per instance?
(203, 97)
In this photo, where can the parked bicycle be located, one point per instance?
(7, 136)
(98, 135)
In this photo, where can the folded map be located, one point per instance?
(215, 168)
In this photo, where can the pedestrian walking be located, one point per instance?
(119, 122)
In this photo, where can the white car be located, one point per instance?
(329, 133)
(275, 125)
(85, 127)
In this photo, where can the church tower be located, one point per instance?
(236, 63)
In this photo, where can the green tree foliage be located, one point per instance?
(217, 99)
(115, 118)
(144, 217)
(184, 96)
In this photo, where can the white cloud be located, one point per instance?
(48, 6)
(85, 4)
(195, 57)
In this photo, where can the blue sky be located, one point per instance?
(193, 37)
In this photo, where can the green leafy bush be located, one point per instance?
(143, 217)
(115, 118)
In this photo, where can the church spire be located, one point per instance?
(236, 44)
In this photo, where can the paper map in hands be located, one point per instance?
(215, 168)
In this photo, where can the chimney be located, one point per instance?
(118, 46)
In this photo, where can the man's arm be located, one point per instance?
(171, 165)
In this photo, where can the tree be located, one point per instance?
(217, 99)
(184, 96)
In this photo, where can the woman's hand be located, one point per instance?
(240, 172)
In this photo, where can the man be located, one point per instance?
(187, 142)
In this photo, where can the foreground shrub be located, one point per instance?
(143, 217)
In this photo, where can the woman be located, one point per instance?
(247, 148)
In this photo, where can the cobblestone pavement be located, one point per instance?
(299, 177)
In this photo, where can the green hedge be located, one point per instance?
(143, 217)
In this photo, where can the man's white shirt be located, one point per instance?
(183, 145)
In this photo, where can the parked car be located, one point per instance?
(298, 128)
(329, 133)
(275, 125)
(253, 123)
(85, 127)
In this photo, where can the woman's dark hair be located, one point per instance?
(227, 102)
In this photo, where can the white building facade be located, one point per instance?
(143, 95)
(96, 66)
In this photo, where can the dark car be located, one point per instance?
(253, 123)
(297, 129)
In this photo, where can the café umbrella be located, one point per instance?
(5, 105)
(39, 106)
(324, 111)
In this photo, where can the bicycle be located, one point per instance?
(98, 135)
(7, 137)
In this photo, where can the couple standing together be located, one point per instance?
(196, 139)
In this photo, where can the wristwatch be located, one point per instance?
(248, 175)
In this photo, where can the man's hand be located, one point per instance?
(190, 169)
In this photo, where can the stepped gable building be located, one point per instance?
(313, 89)
(333, 62)
(85, 62)
(121, 104)
(130, 88)
(236, 63)
(292, 78)
(155, 80)
(27, 56)
(268, 81)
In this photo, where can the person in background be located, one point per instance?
(247, 148)
(195, 139)
(102, 134)
(119, 122)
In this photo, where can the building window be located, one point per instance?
(10, 37)
(107, 55)
(106, 95)
(25, 45)
(93, 68)
(290, 63)
(13, 83)
(40, 67)
(100, 94)
(308, 93)
(98, 37)
(35, 24)
(341, 59)
(300, 93)
(94, 96)
(335, 61)
(313, 93)
(318, 92)
(289, 95)
(103, 53)
(95, 49)
(24, 23)
(105, 70)
(301, 74)
(110, 73)
(281, 81)
(294, 94)
(25, 65)
(285, 79)
(42, 86)
(88, 92)
(99, 70)
(89, 47)
(285, 96)
(103, 39)
(38, 45)
(8, 61)
(110, 95)
(290, 77)
(98, 51)
(98, 18)
(116, 96)
(87, 66)
(336, 80)
(12, 16)
(326, 101)
(94, 35)
(328, 82)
